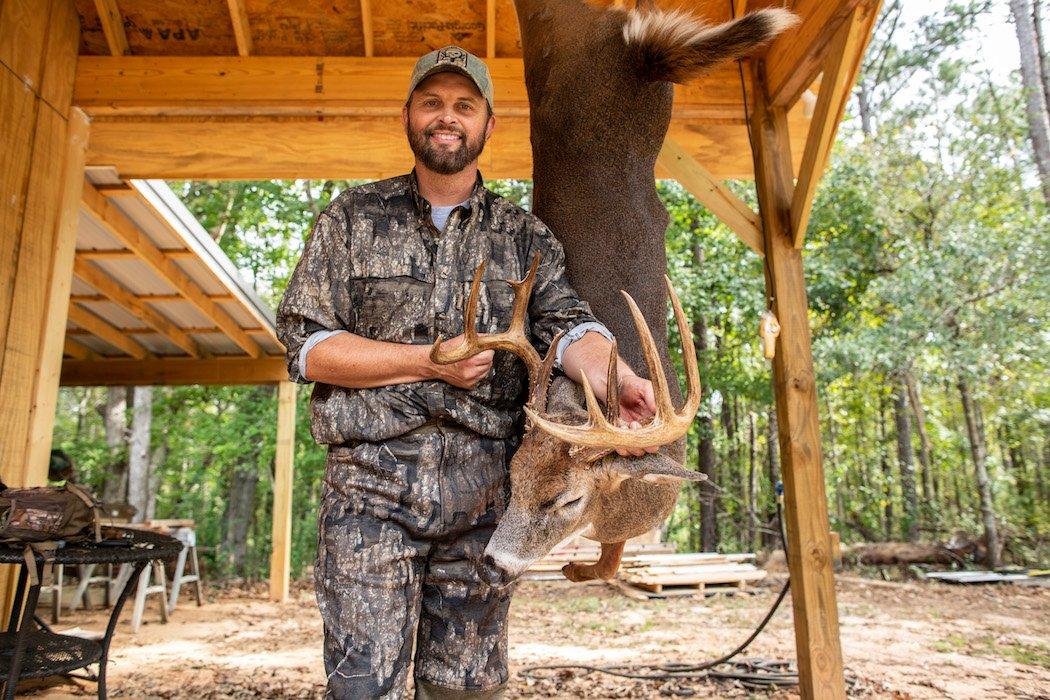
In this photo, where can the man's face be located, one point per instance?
(447, 121)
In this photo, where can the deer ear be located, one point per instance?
(655, 467)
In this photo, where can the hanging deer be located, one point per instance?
(599, 85)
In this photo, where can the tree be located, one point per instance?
(1033, 73)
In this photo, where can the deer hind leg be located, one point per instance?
(605, 568)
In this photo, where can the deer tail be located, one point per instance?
(677, 47)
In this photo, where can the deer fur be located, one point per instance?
(599, 82)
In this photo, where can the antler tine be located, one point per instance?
(667, 426)
(513, 339)
(612, 386)
(664, 407)
(692, 369)
(538, 392)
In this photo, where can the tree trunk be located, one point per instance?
(1044, 67)
(1035, 90)
(752, 482)
(887, 472)
(240, 512)
(115, 422)
(706, 459)
(160, 454)
(929, 488)
(864, 107)
(979, 453)
(139, 453)
(910, 525)
(773, 469)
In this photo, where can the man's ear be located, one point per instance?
(404, 116)
(490, 126)
(654, 467)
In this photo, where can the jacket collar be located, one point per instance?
(423, 206)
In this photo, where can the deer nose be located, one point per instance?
(492, 573)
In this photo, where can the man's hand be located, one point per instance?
(637, 405)
(466, 373)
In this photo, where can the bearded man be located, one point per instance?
(417, 473)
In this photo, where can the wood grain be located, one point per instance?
(283, 478)
(222, 371)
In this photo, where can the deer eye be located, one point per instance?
(573, 502)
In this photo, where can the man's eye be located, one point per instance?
(466, 107)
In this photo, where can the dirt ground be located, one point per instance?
(900, 640)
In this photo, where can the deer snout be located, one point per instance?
(495, 575)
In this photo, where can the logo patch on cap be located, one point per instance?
(453, 56)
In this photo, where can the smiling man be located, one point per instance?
(417, 470)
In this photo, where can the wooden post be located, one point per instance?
(42, 147)
(817, 642)
(283, 473)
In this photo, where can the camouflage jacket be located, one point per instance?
(376, 266)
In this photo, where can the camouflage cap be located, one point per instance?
(456, 60)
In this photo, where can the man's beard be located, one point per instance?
(441, 160)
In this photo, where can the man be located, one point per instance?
(416, 476)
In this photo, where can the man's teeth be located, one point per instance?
(443, 136)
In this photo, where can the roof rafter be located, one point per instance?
(104, 331)
(98, 279)
(117, 224)
(112, 21)
(366, 28)
(216, 370)
(77, 351)
(490, 28)
(840, 73)
(242, 31)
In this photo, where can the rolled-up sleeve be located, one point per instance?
(317, 296)
(554, 306)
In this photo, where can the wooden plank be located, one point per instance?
(174, 253)
(321, 86)
(216, 371)
(151, 298)
(56, 302)
(103, 330)
(242, 30)
(98, 279)
(283, 477)
(116, 223)
(366, 28)
(712, 193)
(672, 579)
(490, 29)
(143, 330)
(23, 32)
(77, 351)
(112, 26)
(818, 648)
(351, 148)
(59, 67)
(840, 73)
(795, 57)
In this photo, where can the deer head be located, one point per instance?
(564, 477)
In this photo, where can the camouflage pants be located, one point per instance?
(401, 526)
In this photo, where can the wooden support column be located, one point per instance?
(818, 647)
(42, 151)
(283, 473)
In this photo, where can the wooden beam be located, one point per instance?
(103, 330)
(840, 73)
(283, 478)
(490, 28)
(795, 57)
(329, 86)
(713, 194)
(216, 371)
(175, 253)
(112, 26)
(136, 307)
(818, 648)
(242, 31)
(144, 330)
(151, 298)
(77, 351)
(366, 28)
(116, 223)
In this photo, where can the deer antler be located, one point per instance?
(513, 339)
(667, 426)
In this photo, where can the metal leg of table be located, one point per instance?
(24, 623)
(131, 582)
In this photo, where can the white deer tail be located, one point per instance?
(677, 47)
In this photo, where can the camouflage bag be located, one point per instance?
(48, 513)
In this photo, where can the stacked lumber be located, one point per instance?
(549, 567)
(689, 574)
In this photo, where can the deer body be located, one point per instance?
(600, 92)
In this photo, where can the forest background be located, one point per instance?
(926, 262)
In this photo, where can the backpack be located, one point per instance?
(47, 514)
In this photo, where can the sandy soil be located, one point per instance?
(901, 640)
